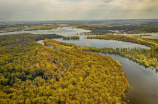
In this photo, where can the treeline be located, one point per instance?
(31, 28)
(130, 28)
(145, 29)
(97, 33)
(127, 38)
(31, 73)
(142, 56)
(147, 57)
(95, 29)
(58, 45)
(71, 37)
(19, 39)
(135, 28)
(27, 28)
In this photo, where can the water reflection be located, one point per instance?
(103, 43)
(143, 82)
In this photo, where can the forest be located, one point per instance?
(31, 73)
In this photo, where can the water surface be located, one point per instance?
(153, 35)
(103, 43)
(60, 31)
(143, 82)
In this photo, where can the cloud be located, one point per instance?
(76, 9)
(107, 1)
(22, 12)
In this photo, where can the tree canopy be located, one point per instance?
(31, 73)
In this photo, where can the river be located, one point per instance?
(143, 81)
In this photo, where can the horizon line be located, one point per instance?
(77, 20)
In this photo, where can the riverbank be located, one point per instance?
(147, 57)
(128, 38)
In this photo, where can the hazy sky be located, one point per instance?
(77, 9)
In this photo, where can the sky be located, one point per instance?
(23, 10)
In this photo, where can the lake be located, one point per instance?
(103, 43)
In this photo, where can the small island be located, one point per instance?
(71, 37)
